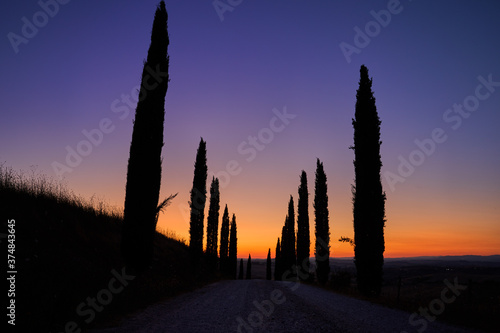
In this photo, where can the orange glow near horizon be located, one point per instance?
(447, 233)
(418, 223)
(443, 228)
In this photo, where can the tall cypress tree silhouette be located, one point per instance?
(224, 243)
(288, 257)
(322, 252)
(278, 272)
(268, 266)
(303, 238)
(290, 231)
(368, 196)
(144, 164)
(213, 223)
(284, 248)
(233, 249)
(249, 267)
(197, 203)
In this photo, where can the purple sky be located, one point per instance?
(227, 77)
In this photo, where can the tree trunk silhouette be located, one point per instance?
(144, 164)
(368, 196)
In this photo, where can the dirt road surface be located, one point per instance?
(252, 306)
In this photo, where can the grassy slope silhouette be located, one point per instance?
(66, 249)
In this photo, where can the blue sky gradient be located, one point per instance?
(228, 76)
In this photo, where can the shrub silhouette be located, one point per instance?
(340, 280)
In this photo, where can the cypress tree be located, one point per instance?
(213, 223)
(197, 203)
(249, 268)
(233, 249)
(277, 262)
(303, 240)
(322, 252)
(224, 243)
(291, 255)
(240, 275)
(368, 196)
(144, 164)
(268, 266)
(288, 243)
(284, 248)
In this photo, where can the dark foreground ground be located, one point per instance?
(435, 295)
(270, 306)
(421, 281)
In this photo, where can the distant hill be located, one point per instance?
(492, 259)
(470, 258)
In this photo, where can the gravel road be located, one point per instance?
(253, 306)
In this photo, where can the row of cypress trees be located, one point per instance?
(249, 267)
(144, 175)
(144, 179)
(228, 240)
(368, 208)
(292, 253)
(248, 275)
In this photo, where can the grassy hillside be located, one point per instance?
(68, 259)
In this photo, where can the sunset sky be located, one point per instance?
(436, 78)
